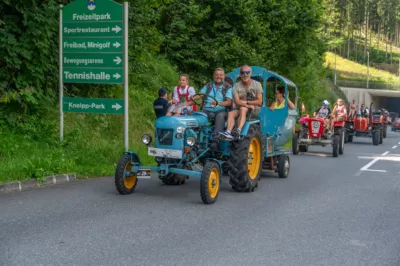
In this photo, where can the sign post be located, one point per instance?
(94, 50)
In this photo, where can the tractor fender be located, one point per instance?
(218, 162)
(247, 126)
(133, 156)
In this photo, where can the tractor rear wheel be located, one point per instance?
(335, 145)
(245, 161)
(381, 136)
(173, 180)
(375, 137)
(341, 145)
(350, 138)
(385, 131)
(125, 180)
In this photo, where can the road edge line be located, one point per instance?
(19, 186)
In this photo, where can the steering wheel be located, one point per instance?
(204, 96)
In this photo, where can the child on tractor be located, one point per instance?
(181, 101)
(324, 111)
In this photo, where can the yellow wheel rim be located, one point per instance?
(213, 183)
(254, 158)
(129, 181)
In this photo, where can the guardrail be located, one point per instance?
(372, 85)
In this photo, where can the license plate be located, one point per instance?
(143, 173)
(167, 153)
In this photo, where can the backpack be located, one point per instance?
(225, 87)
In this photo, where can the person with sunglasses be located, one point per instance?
(247, 94)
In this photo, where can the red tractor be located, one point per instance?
(349, 129)
(313, 131)
(370, 127)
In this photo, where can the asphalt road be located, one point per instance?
(328, 212)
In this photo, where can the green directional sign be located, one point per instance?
(94, 75)
(93, 42)
(93, 105)
(93, 45)
(93, 29)
(93, 49)
(92, 11)
(92, 60)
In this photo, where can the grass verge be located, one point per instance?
(350, 70)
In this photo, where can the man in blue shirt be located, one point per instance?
(160, 105)
(222, 92)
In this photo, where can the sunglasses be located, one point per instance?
(244, 72)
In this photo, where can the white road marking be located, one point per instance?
(388, 158)
(394, 147)
(367, 166)
(398, 143)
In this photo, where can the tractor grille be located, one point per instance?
(315, 126)
(377, 117)
(165, 136)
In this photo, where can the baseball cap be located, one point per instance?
(325, 102)
(162, 91)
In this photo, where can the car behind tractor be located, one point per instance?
(182, 147)
(313, 131)
(396, 124)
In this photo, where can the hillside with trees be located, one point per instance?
(166, 38)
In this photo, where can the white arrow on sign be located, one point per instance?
(117, 60)
(116, 76)
(116, 45)
(116, 106)
(116, 29)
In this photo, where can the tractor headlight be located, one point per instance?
(180, 129)
(146, 139)
(190, 141)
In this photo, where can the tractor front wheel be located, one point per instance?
(210, 182)
(283, 166)
(245, 161)
(125, 180)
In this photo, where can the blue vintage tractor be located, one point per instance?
(182, 146)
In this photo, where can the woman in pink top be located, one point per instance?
(339, 113)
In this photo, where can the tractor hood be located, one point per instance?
(186, 121)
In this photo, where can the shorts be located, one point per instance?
(254, 113)
(339, 119)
